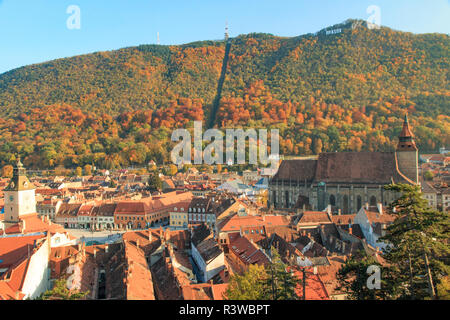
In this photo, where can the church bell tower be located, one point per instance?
(407, 153)
(20, 197)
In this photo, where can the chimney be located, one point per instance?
(367, 206)
(339, 212)
(150, 235)
(350, 229)
(95, 252)
(106, 248)
(380, 208)
(137, 243)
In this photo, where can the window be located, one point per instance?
(358, 203)
(345, 204)
(332, 200)
(286, 194)
(373, 201)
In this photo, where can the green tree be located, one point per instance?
(418, 251)
(154, 182)
(88, 170)
(78, 171)
(352, 278)
(428, 175)
(171, 170)
(281, 283)
(248, 286)
(60, 292)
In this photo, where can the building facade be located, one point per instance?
(345, 180)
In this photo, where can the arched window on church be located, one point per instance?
(345, 208)
(332, 200)
(286, 194)
(358, 203)
(373, 201)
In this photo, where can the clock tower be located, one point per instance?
(20, 197)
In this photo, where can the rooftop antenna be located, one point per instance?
(157, 38)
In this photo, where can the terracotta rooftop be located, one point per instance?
(236, 222)
(31, 223)
(314, 217)
(342, 167)
(139, 284)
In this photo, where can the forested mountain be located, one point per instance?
(328, 91)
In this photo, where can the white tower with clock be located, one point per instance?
(20, 197)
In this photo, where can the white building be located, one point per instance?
(373, 222)
(20, 196)
(206, 254)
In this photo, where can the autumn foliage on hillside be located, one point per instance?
(346, 91)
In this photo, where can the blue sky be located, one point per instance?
(33, 31)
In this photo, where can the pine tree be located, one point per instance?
(281, 283)
(353, 277)
(418, 251)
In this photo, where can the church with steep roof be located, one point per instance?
(345, 180)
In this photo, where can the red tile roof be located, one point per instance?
(236, 222)
(139, 282)
(14, 257)
(314, 289)
(31, 223)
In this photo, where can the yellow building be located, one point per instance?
(179, 215)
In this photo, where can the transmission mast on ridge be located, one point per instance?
(157, 38)
(226, 31)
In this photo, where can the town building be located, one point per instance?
(179, 215)
(345, 180)
(206, 253)
(373, 222)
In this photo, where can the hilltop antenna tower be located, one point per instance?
(157, 38)
(227, 35)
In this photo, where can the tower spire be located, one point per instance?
(19, 163)
(406, 137)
